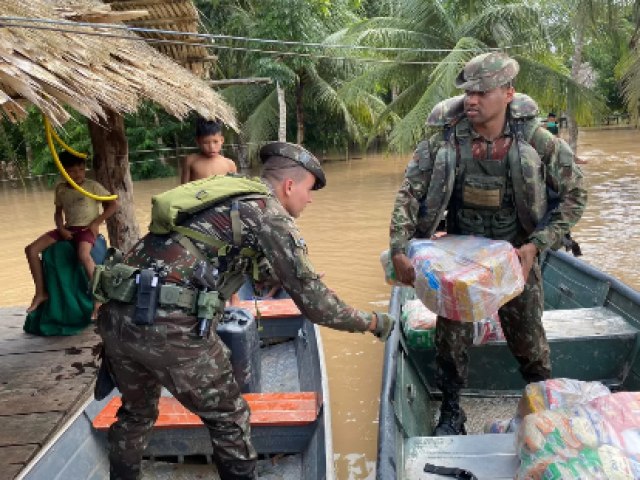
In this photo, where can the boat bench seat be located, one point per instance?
(267, 409)
(276, 308)
(586, 322)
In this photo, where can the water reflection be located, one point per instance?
(346, 228)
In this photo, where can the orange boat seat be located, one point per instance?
(279, 308)
(267, 409)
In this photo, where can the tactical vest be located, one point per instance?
(116, 280)
(517, 184)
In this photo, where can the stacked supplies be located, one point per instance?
(596, 440)
(462, 277)
(419, 326)
(550, 394)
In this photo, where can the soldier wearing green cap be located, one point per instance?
(489, 170)
(257, 227)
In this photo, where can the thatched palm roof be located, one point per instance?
(175, 15)
(51, 69)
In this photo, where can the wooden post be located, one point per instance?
(282, 116)
(111, 163)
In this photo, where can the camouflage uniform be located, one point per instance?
(195, 370)
(521, 317)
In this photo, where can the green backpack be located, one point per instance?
(170, 208)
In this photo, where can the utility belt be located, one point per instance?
(144, 289)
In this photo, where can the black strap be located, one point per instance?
(458, 473)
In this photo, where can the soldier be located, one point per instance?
(482, 170)
(197, 371)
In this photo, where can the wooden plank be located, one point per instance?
(24, 430)
(16, 343)
(50, 397)
(273, 409)
(14, 458)
(45, 381)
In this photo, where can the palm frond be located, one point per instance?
(552, 87)
(262, 124)
(410, 130)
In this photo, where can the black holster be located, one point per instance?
(148, 287)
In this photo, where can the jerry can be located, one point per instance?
(239, 332)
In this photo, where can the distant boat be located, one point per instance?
(592, 322)
(290, 417)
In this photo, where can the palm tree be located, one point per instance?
(439, 37)
(309, 82)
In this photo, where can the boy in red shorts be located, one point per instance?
(77, 218)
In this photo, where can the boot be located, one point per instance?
(452, 416)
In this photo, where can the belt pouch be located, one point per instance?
(146, 298)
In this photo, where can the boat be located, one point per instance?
(592, 322)
(290, 416)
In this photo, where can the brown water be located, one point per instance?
(346, 228)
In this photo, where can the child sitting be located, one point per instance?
(208, 161)
(77, 219)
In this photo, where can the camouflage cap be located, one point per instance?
(299, 155)
(487, 71)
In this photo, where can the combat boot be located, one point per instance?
(452, 416)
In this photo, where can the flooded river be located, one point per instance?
(346, 228)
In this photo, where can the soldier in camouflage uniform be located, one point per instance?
(196, 370)
(485, 147)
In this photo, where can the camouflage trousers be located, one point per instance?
(521, 320)
(196, 371)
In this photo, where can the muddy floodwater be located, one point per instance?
(346, 229)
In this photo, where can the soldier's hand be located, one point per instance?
(527, 254)
(404, 269)
(384, 325)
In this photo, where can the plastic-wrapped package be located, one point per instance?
(487, 330)
(419, 326)
(551, 395)
(465, 278)
(389, 272)
(597, 440)
(558, 393)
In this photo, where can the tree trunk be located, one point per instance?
(282, 117)
(111, 164)
(576, 62)
(299, 113)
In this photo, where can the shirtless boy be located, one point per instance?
(208, 160)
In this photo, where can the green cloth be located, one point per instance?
(68, 310)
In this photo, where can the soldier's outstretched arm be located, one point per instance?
(404, 217)
(287, 252)
(565, 177)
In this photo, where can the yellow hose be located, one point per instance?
(51, 134)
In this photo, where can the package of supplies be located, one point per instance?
(600, 440)
(558, 393)
(464, 277)
(487, 330)
(389, 272)
(418, 324)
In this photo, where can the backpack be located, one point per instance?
(172, 207)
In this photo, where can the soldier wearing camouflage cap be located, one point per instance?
(488, 171)
(258, 227)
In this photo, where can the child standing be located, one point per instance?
(208, 161)
(77, 218)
